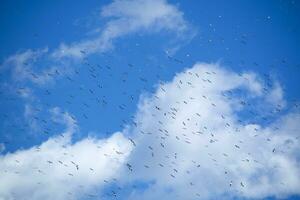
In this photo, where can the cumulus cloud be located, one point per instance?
(60, 169)
(192, 143)
(189, 142)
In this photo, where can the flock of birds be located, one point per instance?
(93, 72)
(89, 89)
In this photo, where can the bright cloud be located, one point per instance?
(193, 144)
(189, 142)
(129, 17)
(60, 169)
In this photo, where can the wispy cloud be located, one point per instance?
(129, 17)
(26, 66)
(42, 66)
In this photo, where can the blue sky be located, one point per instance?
(182, 99)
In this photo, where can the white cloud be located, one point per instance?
(60, 169)
(124, 18)
(128, 17)
(275, 96)
(190, 129)
(26, 66)
(49, 171)
(253, 84)
(193, 120)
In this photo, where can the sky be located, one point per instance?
(147, 99)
